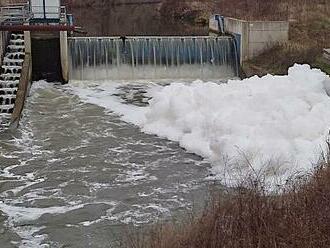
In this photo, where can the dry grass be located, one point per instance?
(309, 34)
(299, 217)
(279, 58)
(309, 27)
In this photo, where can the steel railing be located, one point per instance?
(19, 14)
(13, 14)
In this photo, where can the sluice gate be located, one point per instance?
(203, 57)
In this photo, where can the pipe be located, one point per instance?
(16, 28)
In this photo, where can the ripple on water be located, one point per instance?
(75, 174)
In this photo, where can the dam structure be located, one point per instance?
(46, 33)
(155, 57)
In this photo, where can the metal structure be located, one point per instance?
(15, 14)
(34, 12)
(47, 11)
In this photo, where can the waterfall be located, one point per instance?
(152, 58)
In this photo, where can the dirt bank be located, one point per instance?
(129, 18)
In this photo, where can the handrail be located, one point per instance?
(24, 12)
(14, 13)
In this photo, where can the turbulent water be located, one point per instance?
(75, 175)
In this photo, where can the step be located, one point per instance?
(9, 85)
(5, 119)
(11, 67)
(8, 96)
(10, 77)
(5, 116)
(5, 100)
(8, 60)
(8, 91)
(15, 55)
(15, 69)
(16, 42)
(17, 36)
(14, 63)
(4, 77)
(7, 109)
(15, 48)
(6, 82)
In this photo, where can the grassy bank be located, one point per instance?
(249, 217)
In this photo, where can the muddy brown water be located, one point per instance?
(75, 175)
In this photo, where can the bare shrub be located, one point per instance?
(251, 217)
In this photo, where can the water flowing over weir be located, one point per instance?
(201, 57)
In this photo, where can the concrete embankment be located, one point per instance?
(23, 89)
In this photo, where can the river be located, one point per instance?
(75, 175)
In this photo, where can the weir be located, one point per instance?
(204, 57)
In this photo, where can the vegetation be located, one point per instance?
(250, 217)
(309, 32)
(309, 28)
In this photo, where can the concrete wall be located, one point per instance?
(253, 37)
(27, 41)
(3, 44)
(213, 26)
(326, 54)
(240, 29)
(23, 91)
(64, 55)
(263, 35)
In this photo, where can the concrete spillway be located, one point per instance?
(152, 57)
(10, 76)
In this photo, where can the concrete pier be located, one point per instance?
(64, 55)
(3, 44)
(23, 90)
(326, 54)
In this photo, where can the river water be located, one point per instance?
(76, 175)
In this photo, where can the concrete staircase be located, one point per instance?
(9, 78)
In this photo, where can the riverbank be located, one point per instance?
(250, 217)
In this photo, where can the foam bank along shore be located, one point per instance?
(165, 123)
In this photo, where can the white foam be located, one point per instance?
(19, 216)
(279, 124)
(102, 95)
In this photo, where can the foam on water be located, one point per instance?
(279, 124)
